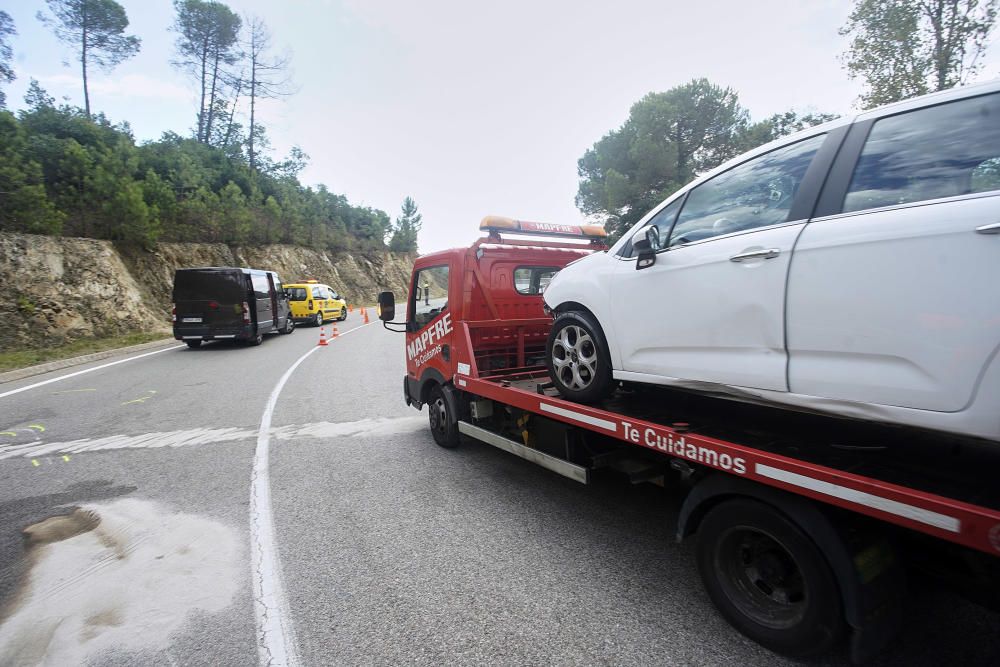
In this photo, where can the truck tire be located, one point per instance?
(444, 426)
(768, 579)
(577, 357)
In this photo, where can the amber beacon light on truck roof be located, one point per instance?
(495, 225)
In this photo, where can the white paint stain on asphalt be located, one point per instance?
(377, 427)
(125, 575)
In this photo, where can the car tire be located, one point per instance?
(289, 326)
(444, 426)
(193, 343)
(318, 320)
(577, 357)
(768, 579)
(343, 315)
(254, 341)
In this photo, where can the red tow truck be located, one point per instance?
(808, 528)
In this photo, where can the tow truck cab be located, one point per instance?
(494, 288)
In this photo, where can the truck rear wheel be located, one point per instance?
(768, 579)
(443, 425)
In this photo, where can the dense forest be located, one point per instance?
(67, 170)
(62, 173)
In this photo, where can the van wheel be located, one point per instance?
(289, 326)
(193, 343)
(318, 320)
(768, 579)
(577, 358)
(443, 425)
(256, 340)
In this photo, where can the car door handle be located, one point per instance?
(769, 253)
(989, 229)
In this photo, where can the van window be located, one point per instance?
(296, 293)
(942, 151)
(757, 193)
(533, 279)
(317, 293)
(209, 285)
(430, 294)
(260, 287)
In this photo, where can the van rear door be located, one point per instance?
(209, 299)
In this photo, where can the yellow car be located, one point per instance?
(315, 302)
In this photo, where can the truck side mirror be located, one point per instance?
(386, 306)
(646, 242)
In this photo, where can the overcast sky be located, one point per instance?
(469, 107)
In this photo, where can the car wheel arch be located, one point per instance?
(576, 306)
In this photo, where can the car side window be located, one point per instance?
(317, 293)
(430, 295)
(941, 151)
(757, 193)
(663, 220)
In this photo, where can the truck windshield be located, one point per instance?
(197, 285)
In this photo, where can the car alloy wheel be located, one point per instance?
(318, 321)
(574, 358)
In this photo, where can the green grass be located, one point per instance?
(29, 357)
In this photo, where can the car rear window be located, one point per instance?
(947, 150)
(229, 286)
(297, 294)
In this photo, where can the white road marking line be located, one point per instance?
(86, 370)
(579, 416)
(275, 633)
(912, 512)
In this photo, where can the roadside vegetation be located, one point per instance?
(14, 359)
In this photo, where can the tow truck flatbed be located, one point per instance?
(883, 472)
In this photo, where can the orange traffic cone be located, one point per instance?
(365, 313)
(322, 336)
(335, 332)
(350, 307)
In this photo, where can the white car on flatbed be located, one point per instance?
(851, 269)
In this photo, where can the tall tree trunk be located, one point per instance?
(211, 99)
(204, 81)
(232, 111)
(253, 105)
(83, 60)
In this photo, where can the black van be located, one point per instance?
(212, 303)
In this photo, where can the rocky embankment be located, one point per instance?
(57, 289)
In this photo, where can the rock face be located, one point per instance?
(58, 289)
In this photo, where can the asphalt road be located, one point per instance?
(391, 549)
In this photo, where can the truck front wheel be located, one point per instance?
(768, 579)
(444, 426)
